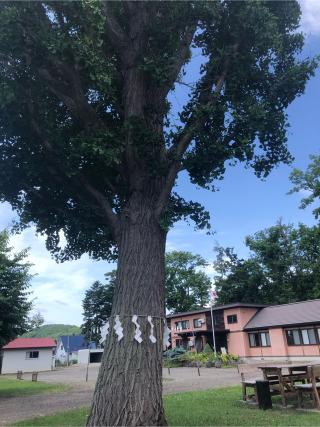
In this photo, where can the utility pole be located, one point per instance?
(213, 334)
(88, 361)
(213, 297)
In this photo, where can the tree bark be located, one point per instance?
(129, 386)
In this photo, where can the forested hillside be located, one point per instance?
(53, 331)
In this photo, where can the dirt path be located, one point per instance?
(14, 409)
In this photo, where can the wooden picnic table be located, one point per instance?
(282, 377)
(293, 369)
(287, 366)
(284, 383)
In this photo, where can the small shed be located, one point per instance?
(90, 355)
(28, 355)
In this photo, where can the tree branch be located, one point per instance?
(180, 58)
(70, 93)
(176, 152)
(117, 36)
(102, 201)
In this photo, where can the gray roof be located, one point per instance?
(215, 308)
(296, 313)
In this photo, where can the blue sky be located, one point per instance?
(243, 205)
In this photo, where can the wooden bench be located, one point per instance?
(312, 387)
(249, 383)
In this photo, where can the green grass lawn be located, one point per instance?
(10, 387)
(218, 407)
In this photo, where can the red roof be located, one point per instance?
(30, 343)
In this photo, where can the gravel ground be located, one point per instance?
(180, 379)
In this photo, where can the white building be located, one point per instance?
(68, 347)
(28, 355)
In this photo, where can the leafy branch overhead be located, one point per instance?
(86, 127)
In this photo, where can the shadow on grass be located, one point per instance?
(217, 407)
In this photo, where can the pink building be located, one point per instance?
(253, 331)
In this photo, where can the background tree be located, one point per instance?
(237, 280)
(187, 288)
(308, 182)
(90, 145)
(284, 266)
(97, 305)
(35, 321)
(14, 295)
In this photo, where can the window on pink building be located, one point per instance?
(197, 323)
(308, 336)
(259, 339)
(232, 318)
(184, 324)
(305, 336)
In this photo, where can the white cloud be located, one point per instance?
(310, 20)
(210, 270)
(57, 288)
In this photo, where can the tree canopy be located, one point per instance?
(283, 267)
(14, 291)
(187, 287)
(79, 134)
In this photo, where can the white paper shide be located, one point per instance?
(151, 336)
(118, 328)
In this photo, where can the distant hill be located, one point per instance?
(53, 331)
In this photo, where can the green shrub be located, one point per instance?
(191, 358)
(179, 357)
(207, 349)
(228, 359)
(172, 363)
(171, 358)
(173, 353)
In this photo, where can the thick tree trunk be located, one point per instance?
(129, 386)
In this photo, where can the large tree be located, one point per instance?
(15, 303)
(97, 305)
(186, 285)
(90, 144)
(283, 267)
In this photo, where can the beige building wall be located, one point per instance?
(15, 360)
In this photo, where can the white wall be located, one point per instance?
(15, 360)
(62, 354)
(84, 354)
